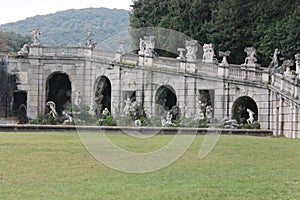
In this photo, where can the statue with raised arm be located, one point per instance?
(36, 36)
(274, 63)
(251, 118)
(208, 53)
(52, 112)
(89, 43)
(251, 58)
(191, 48)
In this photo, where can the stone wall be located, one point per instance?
(276, 99)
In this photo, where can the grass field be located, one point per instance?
(57, 166)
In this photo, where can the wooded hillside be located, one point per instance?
(69, 28)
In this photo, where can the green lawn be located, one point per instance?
(57, 166)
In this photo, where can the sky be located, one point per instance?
(15, 10)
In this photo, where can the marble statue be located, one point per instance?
(287, 64)
(200, 111)
(52, 112)
(121, 47)
(36, 36)
(147, 45)
(167, 121)
(191, 48)
(105, 112)
(208, 113)
(127, 106)
(251, 118)
(89, 43)
(274, 63)
(69, 119)
(297, 58)
(77, 100)
(251, 58)
(138, 122)
(208, 53)
(24, 51)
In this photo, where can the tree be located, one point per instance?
(12, 42)
(228, 24)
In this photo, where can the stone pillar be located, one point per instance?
(297, 58)
(34, 95)
(223, 71)
(296, 89)
(295, 122)
(280, 115)
(265, 77)
(148, 61)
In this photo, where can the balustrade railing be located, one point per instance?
(166, 62)
(104, 55)
(207, 68)
(130, 58)
(235, 72)
(62, 51)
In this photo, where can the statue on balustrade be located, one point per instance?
(275, 61)
(147, 45)
(89, 43)
(24, 51)
(297, 58)
(251, 58)
(208, 53)
(36, 36)
(192, 48)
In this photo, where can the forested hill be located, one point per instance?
(69, 28)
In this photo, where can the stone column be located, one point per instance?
(295, 121)
(297, 58)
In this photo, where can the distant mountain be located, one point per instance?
(69, 28)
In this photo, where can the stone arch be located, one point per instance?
(102, 95)
(59, 90)
(240, 106)
(165, 100)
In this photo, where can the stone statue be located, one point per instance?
(200, 111)
(208, 113)
(287, 64)
(69, 119)
(52, 111)
(24, 51)
(251, 58)
(147, 45)
(138, 122)
(77, 100)
(251, 114)
(105, 112)
(167, 121)
(127, 106)
(297, 58)
(89, 43)
(274, 63)
(192, 48)
(121, 47)
(36, 36)
(208, 53)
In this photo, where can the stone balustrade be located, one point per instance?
(288, 86)
(57, 51)
(165, 62)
